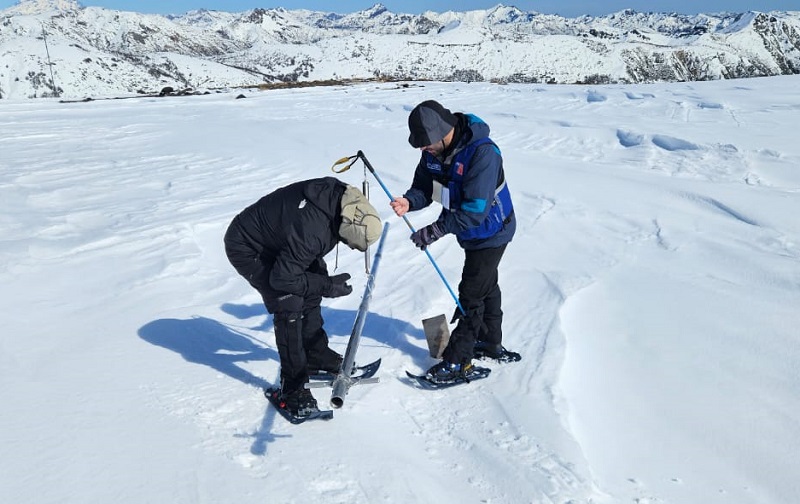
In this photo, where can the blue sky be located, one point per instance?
(568, 8)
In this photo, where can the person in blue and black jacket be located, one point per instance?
(462, 169)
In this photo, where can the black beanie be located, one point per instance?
(429, 123)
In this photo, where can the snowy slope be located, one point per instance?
(101, 52)
(652, 289)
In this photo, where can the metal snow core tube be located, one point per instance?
(343, 381)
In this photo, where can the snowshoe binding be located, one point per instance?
(448, 374)
(357, 373)
(297, 406)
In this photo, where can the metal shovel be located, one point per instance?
(437, 332)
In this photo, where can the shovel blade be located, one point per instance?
(437, 333)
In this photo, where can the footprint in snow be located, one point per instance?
(595, 97)
(629, 139)
(637, 96)
(673, 144)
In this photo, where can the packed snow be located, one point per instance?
(652, 288)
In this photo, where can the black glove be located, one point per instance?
(336, 286)
(427, 235)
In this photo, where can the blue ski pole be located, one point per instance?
(360, 155)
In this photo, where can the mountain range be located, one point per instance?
(59, 48)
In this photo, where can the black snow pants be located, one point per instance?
(301, 339)
(479, 295)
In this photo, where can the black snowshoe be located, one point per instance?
(447, 374)
(297, 406)
(496, 352)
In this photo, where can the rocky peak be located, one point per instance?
(29, 7)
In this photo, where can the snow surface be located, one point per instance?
(652, 289)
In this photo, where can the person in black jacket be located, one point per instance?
(277, 244)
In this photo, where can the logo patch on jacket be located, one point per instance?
(302, 204)
(435, 166)
(460, 169)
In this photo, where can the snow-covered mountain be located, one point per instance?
(94, 51)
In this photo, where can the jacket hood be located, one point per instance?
(325, 194)
(476, 126)
(361, 224)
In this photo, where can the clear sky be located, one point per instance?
(568, 8)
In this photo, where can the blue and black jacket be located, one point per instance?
(470, 183)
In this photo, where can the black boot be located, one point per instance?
(448, 372)
(299, 402)
(494, 351)
(328, 362)
(490, 350)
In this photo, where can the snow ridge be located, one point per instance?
(31, 7)
(95, 51)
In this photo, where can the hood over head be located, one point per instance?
(361, 224)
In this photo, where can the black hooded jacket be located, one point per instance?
(278, 243)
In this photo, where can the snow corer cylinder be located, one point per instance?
(344, 380)
(437, 332)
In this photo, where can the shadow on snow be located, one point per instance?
(205, 341)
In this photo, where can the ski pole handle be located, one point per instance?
(360, 155)
(391, 198)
